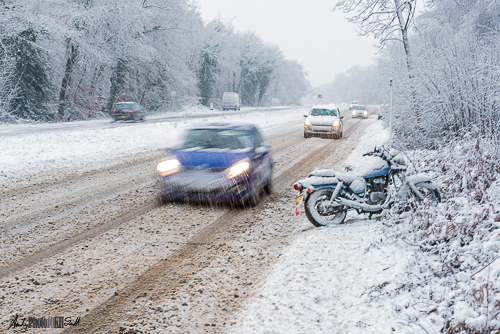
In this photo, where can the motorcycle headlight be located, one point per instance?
(307, 122)
(336, 123)
(238, 168)
(168, 167)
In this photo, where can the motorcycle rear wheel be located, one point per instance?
(318, 214)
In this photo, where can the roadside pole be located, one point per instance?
(390, 116)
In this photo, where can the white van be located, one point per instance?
(230, 100)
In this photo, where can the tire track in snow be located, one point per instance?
(93, 232)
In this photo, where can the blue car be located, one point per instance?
(217, 163)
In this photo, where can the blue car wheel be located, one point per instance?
(268, 188)
(254, 197)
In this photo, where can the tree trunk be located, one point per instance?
(404, 33)
(72, 53)
(97, 73)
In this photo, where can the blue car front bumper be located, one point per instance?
(205, 186)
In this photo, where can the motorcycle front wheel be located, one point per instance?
(320, 213)
(431, 196)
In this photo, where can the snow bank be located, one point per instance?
(68, 145)
(375, 135)
(323, 284)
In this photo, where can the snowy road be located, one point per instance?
(86, 239)
(10, 130)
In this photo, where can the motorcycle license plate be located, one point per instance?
(299, 200)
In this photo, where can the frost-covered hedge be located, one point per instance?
(453, 279)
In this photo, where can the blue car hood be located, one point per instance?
(209, 159)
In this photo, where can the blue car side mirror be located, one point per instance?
(264, 149)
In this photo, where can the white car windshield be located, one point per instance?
(323, 112)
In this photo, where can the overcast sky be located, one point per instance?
(307, 31)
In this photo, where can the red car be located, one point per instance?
(127, 111)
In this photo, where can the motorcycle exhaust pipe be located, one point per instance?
(363, 206)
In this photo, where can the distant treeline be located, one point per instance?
(72, 59)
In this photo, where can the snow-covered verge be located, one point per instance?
(454, 274)
(415, 270)
(326, 279)
(36, 152)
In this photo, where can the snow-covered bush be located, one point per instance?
(454, 79)
(454, 276)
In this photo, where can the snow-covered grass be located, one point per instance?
(37, 151)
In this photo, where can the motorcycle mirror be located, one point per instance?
(394, 152)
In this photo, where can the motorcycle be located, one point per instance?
(328, 195)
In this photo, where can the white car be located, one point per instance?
(353, 103)
(324, 120)
(359, 111)
(230, 100)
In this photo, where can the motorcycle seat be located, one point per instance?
(346, 178)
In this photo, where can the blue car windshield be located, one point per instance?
(323, 112)
(217, 139)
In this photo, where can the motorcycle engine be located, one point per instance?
(377, 189)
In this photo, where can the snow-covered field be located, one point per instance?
(29, 153)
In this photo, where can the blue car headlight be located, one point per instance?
(168, 167)
(238, 168)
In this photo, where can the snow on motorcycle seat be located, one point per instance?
(346, 178)
(322, 173)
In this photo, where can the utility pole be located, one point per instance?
(390, 116)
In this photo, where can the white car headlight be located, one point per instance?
(168, 167)
(336, 123)
(307, 122)
(238, 168)
(366, 112)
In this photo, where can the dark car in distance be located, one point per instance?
(127, 111)
(219, 162)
